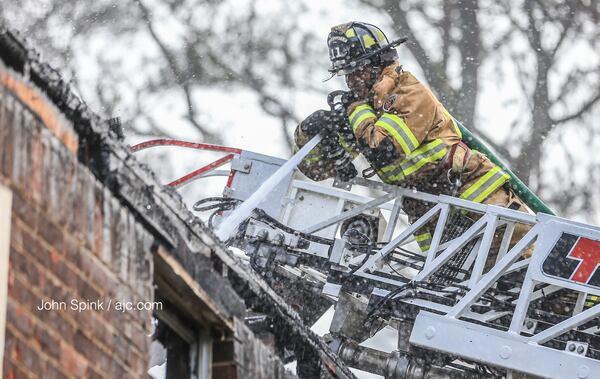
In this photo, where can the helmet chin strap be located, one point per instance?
(329, 78)
(374, 75)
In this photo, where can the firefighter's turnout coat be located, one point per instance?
(411, 140)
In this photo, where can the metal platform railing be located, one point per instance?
(512, 291)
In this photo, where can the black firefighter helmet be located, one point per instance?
(356, 44)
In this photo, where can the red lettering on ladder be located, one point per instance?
(588, 253)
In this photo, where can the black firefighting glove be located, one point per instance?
(342, 160)
(348, 98)
(320, 121)
(346, 172)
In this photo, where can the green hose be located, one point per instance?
(524, 193)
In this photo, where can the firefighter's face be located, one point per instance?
(359, 81)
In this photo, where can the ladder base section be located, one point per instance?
(498, 348)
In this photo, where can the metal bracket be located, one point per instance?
(339, 254)
(241, 165)
(342, 185)
(577, 348)
(529, 326)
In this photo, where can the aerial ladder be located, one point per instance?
(478, 303)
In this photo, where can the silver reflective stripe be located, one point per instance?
(411, 161)
(359, 114)
(400, 131)
(485, 185)
(406, 166)
(394, 172)
(424, 244)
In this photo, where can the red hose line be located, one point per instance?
(191, 145)
(219, 162)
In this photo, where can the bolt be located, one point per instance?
(580, 349)
(247, 166)
(301, 197)
(572, 347)
(279, 238)
(505, 352)
(430, 332)
(583, 372)
(529, 324)
(263, 235)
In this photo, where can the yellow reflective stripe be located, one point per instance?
(470, 192)
(350, 33)
(393, 176)
(397, 177)
(368, 41)
(396, 174)
(313, 155)
(494, 186)
(391, 173)
(380, 35)
(359, 109)
(397, 128)
(487, 184)
(591, 301)
(428, 153)
(311, 159)
(424, 241)
(362, 118)
(423, 237)
(360, 114)
(343, 142)
(347, 146)
(389, 167)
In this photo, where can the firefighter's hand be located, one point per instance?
(348, 98)
(347, 172)
(321, 121)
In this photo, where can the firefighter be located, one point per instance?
(402, 129)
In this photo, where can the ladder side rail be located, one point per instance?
(391, 225)
(516, 323)
(491, 346)
(484, 248)
(455, 247)
(506, 238)
(408, 232)
(495, 273)
(437, 234)
(564, 326)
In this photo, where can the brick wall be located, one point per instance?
(70, 239)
